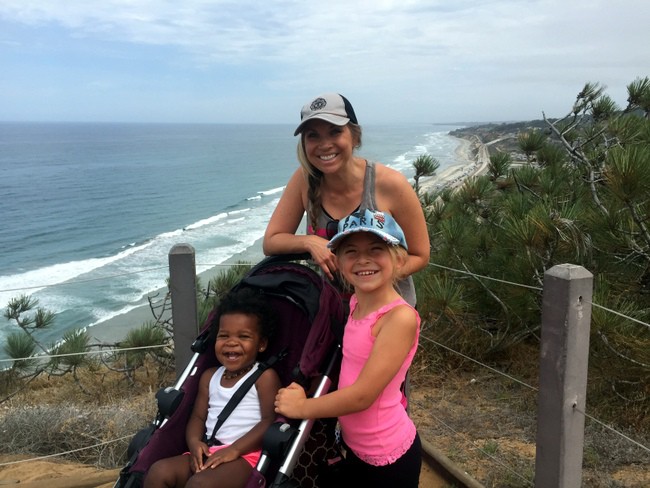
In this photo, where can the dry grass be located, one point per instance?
(486, 424)
(482, 421)
(90, 433)
(54, 415)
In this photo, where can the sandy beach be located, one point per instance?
(466, 166)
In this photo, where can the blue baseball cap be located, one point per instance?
(374, 221)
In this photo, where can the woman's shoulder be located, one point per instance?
(296, 187)
(388, 176)
(391, 186)
(298, 177)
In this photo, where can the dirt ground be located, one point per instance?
(487, 427)
(484, 425)
(58, 474)
(70, 475)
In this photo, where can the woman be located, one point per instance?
(332, 183)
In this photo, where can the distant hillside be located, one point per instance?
(506, 131)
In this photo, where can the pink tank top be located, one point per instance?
(383, 432)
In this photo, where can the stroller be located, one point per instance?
(306, 348)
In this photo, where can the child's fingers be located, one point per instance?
(200, 453)
(196, 463)
(223, 456)
(219, 461)
(213, 462)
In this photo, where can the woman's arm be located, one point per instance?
(280, 236)
(267, 387)
(396, 195)
(397, 331)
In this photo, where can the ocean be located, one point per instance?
(89, 211)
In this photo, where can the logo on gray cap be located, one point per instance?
(318, 104)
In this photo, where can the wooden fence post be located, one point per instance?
(566, 317)
(182, 286)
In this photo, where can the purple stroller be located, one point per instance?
(309, 336)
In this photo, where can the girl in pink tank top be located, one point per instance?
(380, 340)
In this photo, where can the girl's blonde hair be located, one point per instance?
(314, 176)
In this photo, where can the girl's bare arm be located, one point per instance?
(195, 430)
(392, 345)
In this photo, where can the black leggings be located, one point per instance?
(403, 473)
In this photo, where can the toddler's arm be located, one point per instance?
(195, 430)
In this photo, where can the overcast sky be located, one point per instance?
(259, 61)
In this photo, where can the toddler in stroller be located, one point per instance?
(242, 326)
(310, 324)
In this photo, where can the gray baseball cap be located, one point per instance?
(330, 107)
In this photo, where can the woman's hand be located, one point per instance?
(321, 254)
(290, 400)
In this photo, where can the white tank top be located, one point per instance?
(245, 415)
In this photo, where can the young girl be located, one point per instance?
(380, 339)
(332, 183)
(242, 327)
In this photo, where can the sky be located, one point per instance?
(242, 61)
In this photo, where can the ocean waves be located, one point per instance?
(93, 290)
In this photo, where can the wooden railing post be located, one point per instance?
(182, 286)
(566, 317)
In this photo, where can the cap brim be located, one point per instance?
(331, 118)
(387, 238)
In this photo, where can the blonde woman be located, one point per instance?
(333, 182)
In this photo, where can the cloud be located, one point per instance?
(475, 54)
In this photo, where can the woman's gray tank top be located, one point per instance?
(405, 287)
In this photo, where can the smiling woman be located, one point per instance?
(332, 183)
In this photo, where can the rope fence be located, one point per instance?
(451, 350)
(532, 388)
(72, 451)
(208, 266)
(86, 353)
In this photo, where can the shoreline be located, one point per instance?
(466, 166)
(116, 328)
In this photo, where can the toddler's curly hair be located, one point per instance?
(249, 302)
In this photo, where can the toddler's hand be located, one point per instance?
(198, 453)
(221, 456)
